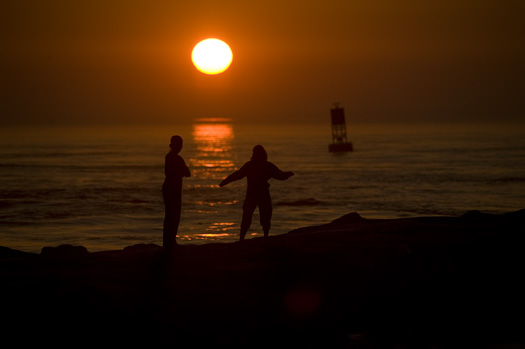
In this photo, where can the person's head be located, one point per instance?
(176, 143)
(259, 154)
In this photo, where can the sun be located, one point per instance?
(212, 56)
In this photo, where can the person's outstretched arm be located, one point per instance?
(235, 176)
(281, 175)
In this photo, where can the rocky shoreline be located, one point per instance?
(352, 283)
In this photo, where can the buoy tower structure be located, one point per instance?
(339, 141)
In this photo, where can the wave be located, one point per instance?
(157, 168)
(57, 154)
(303, 202)
(511, 179)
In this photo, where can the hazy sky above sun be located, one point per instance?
(129, 61)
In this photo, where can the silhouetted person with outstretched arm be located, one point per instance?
(174, 168)
(258, 171)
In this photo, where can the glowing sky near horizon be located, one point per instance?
(127, 61)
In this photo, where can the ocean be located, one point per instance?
(100, 187)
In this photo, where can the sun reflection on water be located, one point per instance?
(214, 144)
(212, 159)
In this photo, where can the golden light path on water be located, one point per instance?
(214, 144)
(213, 159)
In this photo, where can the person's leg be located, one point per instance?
(167, 219)
(168, 227)
(265, 214)
(171, 226)
(172, 207)
(176, 220)
(247, 211)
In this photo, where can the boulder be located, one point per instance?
(64, 250)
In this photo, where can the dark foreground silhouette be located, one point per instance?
(258, 172)
(174, 169)
(354, 283)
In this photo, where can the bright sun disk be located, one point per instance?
(212, 56)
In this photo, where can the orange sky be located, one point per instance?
(128, 61)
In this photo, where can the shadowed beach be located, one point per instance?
(352, 283)
(241, 121)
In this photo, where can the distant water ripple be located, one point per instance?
(103, 190)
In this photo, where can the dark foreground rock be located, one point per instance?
(353, 283)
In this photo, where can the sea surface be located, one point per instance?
(100, 187)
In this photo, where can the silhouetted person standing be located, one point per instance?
(257, 171)
(174, 168)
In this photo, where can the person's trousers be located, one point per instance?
(172, 213)
(264, 202)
